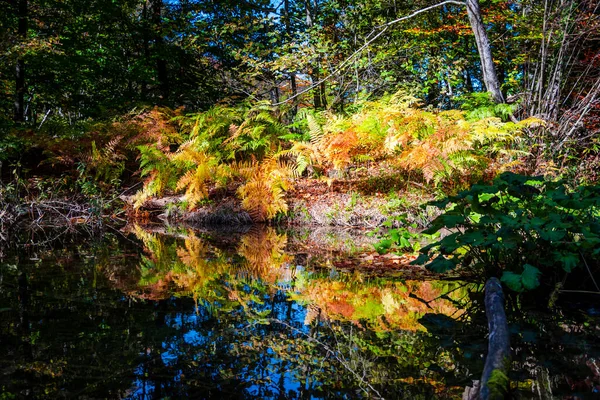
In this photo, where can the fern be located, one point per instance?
(308, 152)
(257, 134)
(158, 127)
(263, 193)
(201, 171)
(106, 164)
(160, 173)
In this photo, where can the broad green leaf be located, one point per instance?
(440, 265)
(568, 260)
(383, 246)
(552, 235)
(512, 280)
(530, 277)
(421, 259)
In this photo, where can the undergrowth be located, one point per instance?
(249, 147)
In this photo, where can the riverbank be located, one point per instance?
(362, 202)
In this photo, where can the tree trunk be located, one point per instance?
(146, 46)
(293, 85)
(497, 362)
(323, 93)
(161, 63)
(20, 68)
(488, 70)
(311, 11)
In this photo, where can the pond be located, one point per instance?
(149, 313)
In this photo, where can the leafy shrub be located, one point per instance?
(450, 149)
(519, 228)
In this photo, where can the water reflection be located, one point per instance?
(183, 314)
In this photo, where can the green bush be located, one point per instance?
(519, 228)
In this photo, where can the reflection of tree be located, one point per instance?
(62, 328)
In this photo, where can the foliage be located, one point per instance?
(308, 152)
(263, 193)
(222, 143)
(451, 149)
(401, 240)
(480, 105)
(379, 304)
(160, 173)
(519, 228)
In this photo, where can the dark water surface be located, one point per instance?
(258, 315)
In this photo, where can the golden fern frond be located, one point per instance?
(245, 169)
(263, 193)
(194, 182)
(304, 154)
(194, 251)
(338, 148)
(188, 153)
(405, 100)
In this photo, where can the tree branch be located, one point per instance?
(385, 26)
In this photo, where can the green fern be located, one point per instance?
(161, 174)
(201, 170)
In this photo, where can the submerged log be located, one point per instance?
(494, 380)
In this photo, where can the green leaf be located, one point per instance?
(404, 242)
(440, 264)
(512, 280)
(422, 259)
(568, 260)
(527, 280)
(383, 246)
(552, 235)
(530, 277)
(451, 221)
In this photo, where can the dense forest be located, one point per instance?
(67, 65)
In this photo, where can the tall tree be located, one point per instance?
(20, 68)
(293, 84)
(161, 62)
(488, 70)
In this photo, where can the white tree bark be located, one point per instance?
(490, 78)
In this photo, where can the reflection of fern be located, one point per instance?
(197, 267)
(158, 255)
(263, 251)
(169, 269)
